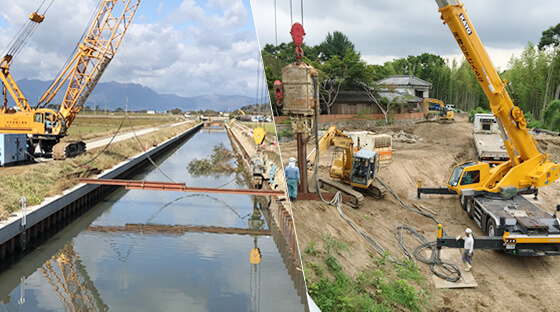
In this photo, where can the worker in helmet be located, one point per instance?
(292, 178)
(469, 248)
(272, 174)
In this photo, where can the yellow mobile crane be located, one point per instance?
(492, 196)
(46, 126)
(357, 169)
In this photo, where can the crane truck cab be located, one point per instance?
(493, 197)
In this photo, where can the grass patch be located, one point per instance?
(268, 127)
(310, 248)
(43, 180)
(89, 126)
(285, 134)
(388, 287)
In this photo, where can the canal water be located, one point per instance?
(96, 264)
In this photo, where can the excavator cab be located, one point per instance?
(364, 168)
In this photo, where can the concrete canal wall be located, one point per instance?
(29, 228)
(278, 215)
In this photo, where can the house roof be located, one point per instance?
(405, 80)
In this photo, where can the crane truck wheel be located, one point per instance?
(463, 200)
(491, 227)
(469, 206)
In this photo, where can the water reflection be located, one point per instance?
(139, 251)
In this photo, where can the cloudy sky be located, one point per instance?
(383, 30)
(189, 47)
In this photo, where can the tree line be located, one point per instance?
(533, 78)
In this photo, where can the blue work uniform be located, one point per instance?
(272, 174)
(292, 178)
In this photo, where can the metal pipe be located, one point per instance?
(178, 187)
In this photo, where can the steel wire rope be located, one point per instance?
(146, 152)
(25, 32)
(275, 25)
(291, 14)
(125, 60)
(302, 13)
(71, 55)
(337, 198)
(106, 145)
(448, 269)
(124, 257)
(153, 216)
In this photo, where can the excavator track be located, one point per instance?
(376, 190)
(356, 198)
(63, 150)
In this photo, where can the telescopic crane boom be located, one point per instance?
(492, 197)
(47, 126)
(528, 166)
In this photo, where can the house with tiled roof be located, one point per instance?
(407, 90)
(407, 84)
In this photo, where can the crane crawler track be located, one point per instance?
(65, 150)
(357, 198)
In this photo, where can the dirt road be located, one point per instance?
(506, 283)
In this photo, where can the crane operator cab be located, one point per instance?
(53, 122)
(364, 168)
(468, 175)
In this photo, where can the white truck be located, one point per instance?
(488, 140)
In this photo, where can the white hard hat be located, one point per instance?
(292, 159)
(468, 231)
(270, 163)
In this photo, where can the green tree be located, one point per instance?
(175, 111)
(550, 40)
(551, 115)
(336, 73)
(527, 76)
(335, 44)
(550, 37)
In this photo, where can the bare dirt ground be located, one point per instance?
(506, 283)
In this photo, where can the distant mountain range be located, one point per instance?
(112, 95)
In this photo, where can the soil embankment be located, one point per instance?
(506, 283)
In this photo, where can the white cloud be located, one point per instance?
(388, 29)
(187, 48)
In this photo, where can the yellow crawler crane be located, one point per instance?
(47, 127)
(493, 197)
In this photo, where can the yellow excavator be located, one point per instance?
(45, 126)
(354, 169)
(443, 113)
(492, 197)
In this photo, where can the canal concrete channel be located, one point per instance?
(29, 227)
(42, 221)
(278, 216)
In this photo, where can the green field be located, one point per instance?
(88, 126)
(267, 126)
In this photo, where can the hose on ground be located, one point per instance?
(445, 270)
(337, 198)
